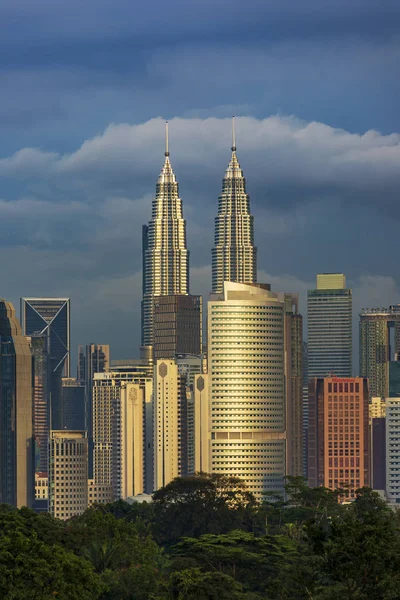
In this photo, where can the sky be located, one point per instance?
(85, 90)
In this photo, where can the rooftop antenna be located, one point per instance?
(233, 135)
(166, 139)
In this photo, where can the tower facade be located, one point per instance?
(330, 327)
(247, 386)
(234, 256)
(375, 346)
(16, 449)
(165, 255)
(338, 435)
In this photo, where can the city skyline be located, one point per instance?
(82, 132)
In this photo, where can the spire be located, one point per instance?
(167, 175)
(233, 135)
(166, 139)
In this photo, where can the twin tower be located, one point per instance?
(165, 253)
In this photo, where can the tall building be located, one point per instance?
(293, 322)
(375, 346)
(338, 433)
(234, 256)
(165, 255)
(393, 449)
(177, 325)
(330, 327)
(51, 317)
(170, 423)
(92, 358)
(68, 473)
(305, 409)
(111, 415)
(40, 348)
(246, 386)
(73, 404)
(128, 442)
(16, 444)
(202, 425)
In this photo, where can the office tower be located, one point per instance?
(73, 404)
(51, 317)
(393, 449)
(68, 473)
(92, 358)
(99, 493)
(234, 256)
(338, 433)
(170, 419)
(128, 439)
(246, 385)
(107, 398)
(375, 346)
(165, 255)
(40, 349)
(293, 327)
(16, 444)
(378, 453)
(330, 327)
(177, 325)
(202, 425)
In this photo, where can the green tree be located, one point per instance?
(203, 503)
(193, 584)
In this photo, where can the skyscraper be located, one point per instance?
(40, 348)
(177, 325)
(375, 346)
(51, 317)
(293, 384)
(247, 386)
(330, 327)
(92, 358)
(68, 473)
(393, 449)
(338, 434)
(39, 315)
(16, 448)
(234, 256)
(165, 255)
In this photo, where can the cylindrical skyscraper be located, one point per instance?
(234, 256)
(165, 255)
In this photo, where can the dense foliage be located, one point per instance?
(205, 538)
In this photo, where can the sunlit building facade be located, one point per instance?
(246, 386)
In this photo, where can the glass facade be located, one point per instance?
(330, 331)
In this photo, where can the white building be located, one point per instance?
(393, 449)
(169, 423)
(246, 385)
(68, 473)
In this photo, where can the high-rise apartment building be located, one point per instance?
(234, 256)
(330, 327)
(177, 325)
(338, 433)
(293, 322)
(111, 414)
(165, 255)
(246, 385)
(68, 473)
(393, 449)
(375, 346)
(128, 441)
(202, 424)
(51, 317)
(16, 444)
(170, 423)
